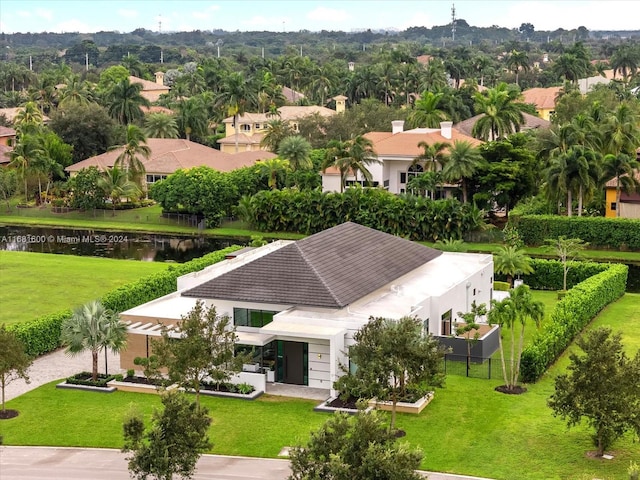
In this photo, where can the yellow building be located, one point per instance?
(627, 207)
(544, 100)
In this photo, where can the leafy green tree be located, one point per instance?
(14, 362)
(172, 444)
(204, 347)
(94, 328)
(160, 125)
(426, 113)
(567, 250)
(85, 188)
(88, 128)
(392, 355)
(625, 61)
(8, 185)
(354, 447)
(124, 101)
(28, 120)
(470, 326)
(503, 314)
(511, 261)
(129, 159)
(601, 386)
(461, 164)
(296, 151)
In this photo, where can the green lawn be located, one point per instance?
(35, 284)
(468, 428)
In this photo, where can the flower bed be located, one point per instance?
(83, 381)
(403, 407)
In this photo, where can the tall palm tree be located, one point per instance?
(527, 310)
(461, 164)
(516, 61)
(192, 118)
(502, 115)
(625, 61)
(94, 328)
(623, 168)
(277, 130)
(360, 154)
(511, 261)
(124, 100)
(160, 125)
(236, 96)
(503, 314)
(336, 155)
(622, 130)
(76, 92)
(28, 119)
(426, 113)
(296, 151)
(115, 183)
(26, 152)
(134, 147)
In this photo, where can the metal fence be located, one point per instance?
(475, 367)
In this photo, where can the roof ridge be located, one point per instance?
(316, 273)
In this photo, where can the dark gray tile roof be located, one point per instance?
(330, 269)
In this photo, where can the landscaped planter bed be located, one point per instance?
(334, 404)
(82, 381)
(137, 387)
(403, 407)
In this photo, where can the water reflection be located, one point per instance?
(123, 245)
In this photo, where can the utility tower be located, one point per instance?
(453, 22)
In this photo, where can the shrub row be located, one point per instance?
(42, 335)
(580, 305)
(619, 233)
(548, 274)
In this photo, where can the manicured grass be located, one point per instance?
(468, 428)
(35, 284)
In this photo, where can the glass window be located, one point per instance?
(446, 323)
(245, 317)
(240, 317)
(403, 177)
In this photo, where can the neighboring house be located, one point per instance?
(11, 113)
(151, 90)
(629, 206)
(6, 137)
(252, 126)
(530, 122)
(544, 99)
(156, 109)
(169, 155)
(586, 84)
(299, 304)
(292, 96)
(396, 151)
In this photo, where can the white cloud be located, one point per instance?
(23, 13)
(46, 14)
(328, 14)
(127, 13)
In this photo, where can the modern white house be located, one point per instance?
(396, 152)
(297, 304)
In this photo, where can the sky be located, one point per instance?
(88, 16)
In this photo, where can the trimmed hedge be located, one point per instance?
(499, 286)
(580, 305)
(548, 274)
(42, 335)
(618, 233)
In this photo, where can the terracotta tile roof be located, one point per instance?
(330, 269)
(424, 59)
(169, 155)
(156, 109)
(10, 114)
(243, 139)
(7, 132)
(614, 181)
(4, 154)
(290, 95)
(542, 98)
(147, 86)
(530, 122)
(405, 144)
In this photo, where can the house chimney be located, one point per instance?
(160, 78)
(397, 126)
(445, 129)
(340, 103)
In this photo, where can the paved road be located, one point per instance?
(48, 463)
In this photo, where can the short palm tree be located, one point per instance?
(271, 168)
(94, 328)
(511, 261)
(115, 183)
(277, 130)
(501, 114)
(160, 125)
(296, 151)
(426, 113)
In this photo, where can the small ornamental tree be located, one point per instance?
(172, 444)
(568, 250)
(354, 447)
(392, 355)
(471, 326)
(203, 347)
(14, 362)
(603, 386)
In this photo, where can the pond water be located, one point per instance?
(110, 244)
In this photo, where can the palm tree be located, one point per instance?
(236, 95)
(277, 130)
(503, 314)
(573, 172)
(336, 155)
(28, 119)
(160, 125)
(296, 151)
(625, 61)
(134, 146)
(527, 310)
(461, 164)
(26, 152)
(426, 113)
(361, 154)
(271, 168)
(192, 117)
(502, 115)
(517, 61)
(622, 167)
(511, 261)
(622, 130)
(95, 328)
(115, 183)
(125, 100)
(76, 92)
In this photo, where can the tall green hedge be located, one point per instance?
(580, 305)
(598, 231)
(548, 274)
(42, 335)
